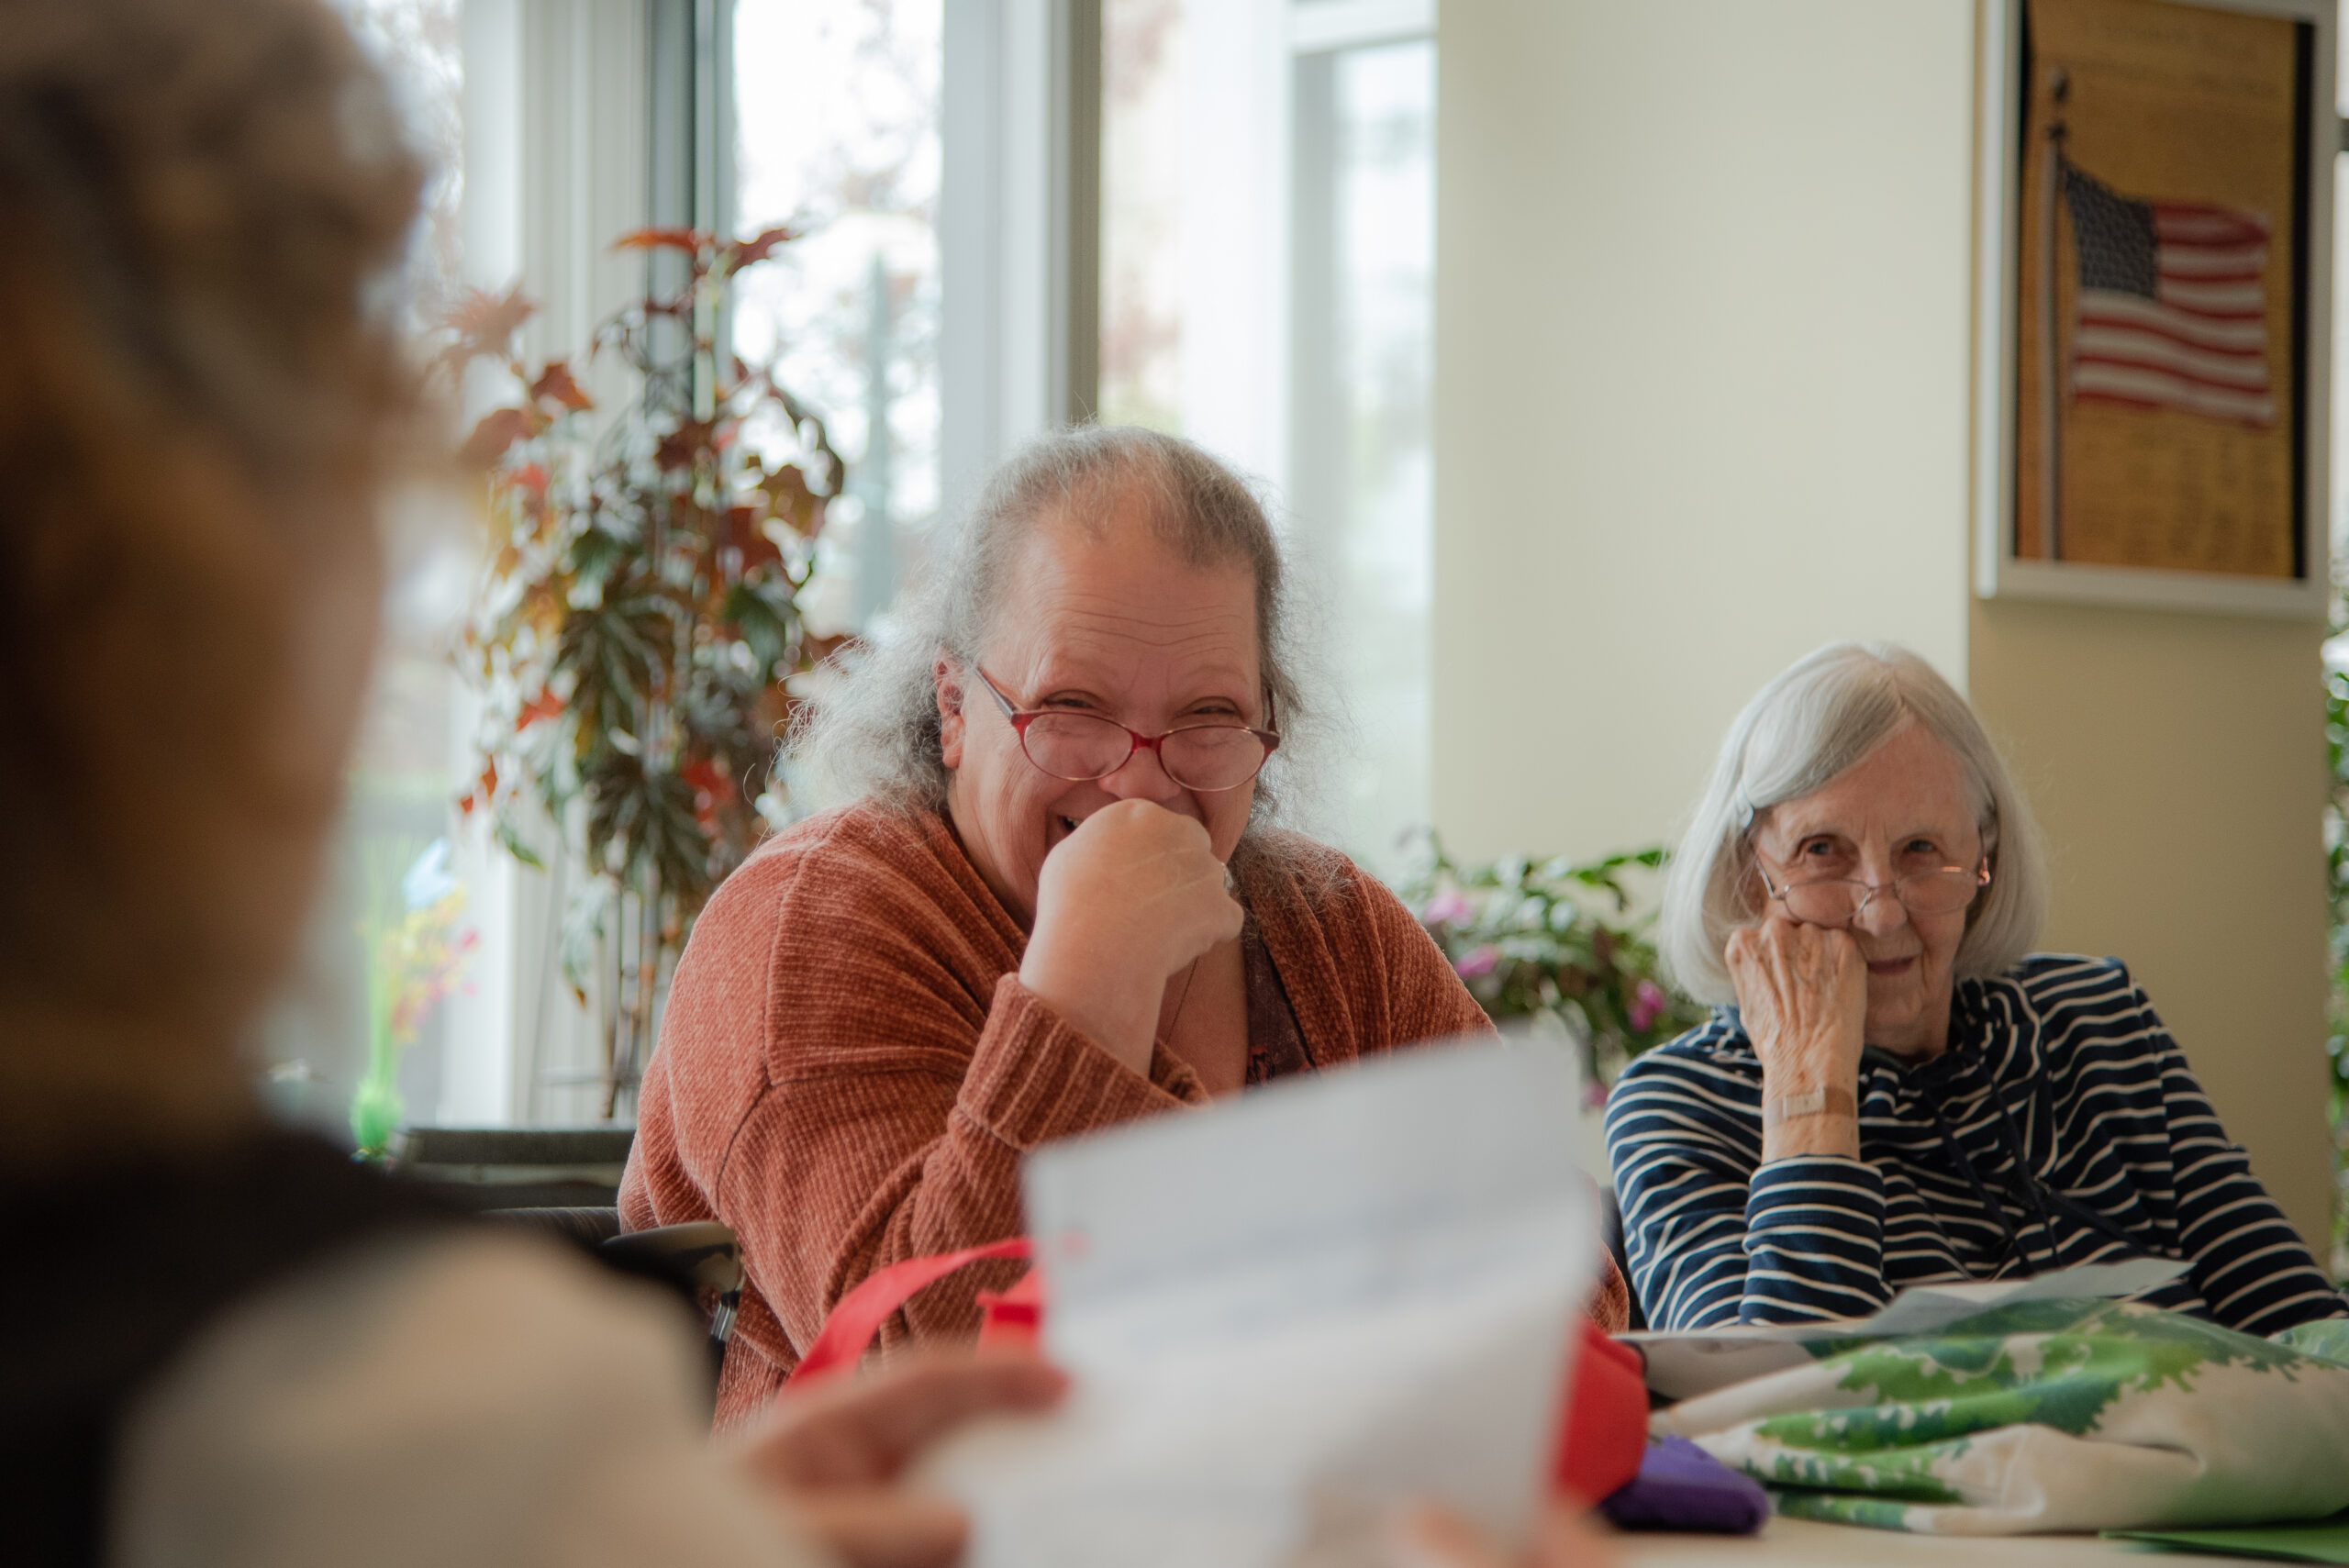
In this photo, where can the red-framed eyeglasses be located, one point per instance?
(1080, 746)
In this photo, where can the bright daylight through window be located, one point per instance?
(1232, 138)
(1265, 273)
(836, 107)
(391, 932)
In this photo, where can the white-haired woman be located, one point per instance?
(1049, 905)
(1902, 1092)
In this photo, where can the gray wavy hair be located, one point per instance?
(1824, 713)
(872, 731)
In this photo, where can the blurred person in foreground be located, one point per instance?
(222, 1344)
(1055, 901)
(1896, 1090)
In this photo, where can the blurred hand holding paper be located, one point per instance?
(1289, 1313)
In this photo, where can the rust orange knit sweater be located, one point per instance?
(850, 1068)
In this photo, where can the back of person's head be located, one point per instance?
(198, 387)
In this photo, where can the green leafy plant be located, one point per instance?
(640, 615)
(1555, 938)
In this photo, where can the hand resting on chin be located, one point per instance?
(1123, 904)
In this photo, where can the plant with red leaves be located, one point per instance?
(640, 615)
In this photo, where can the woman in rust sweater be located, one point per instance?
(1053, 906)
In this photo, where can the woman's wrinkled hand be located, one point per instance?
(1129, 899)
(1802, 993)
(835, 1456)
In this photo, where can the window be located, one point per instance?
(1267, 276)
(837, 110)
(408, 758)
(1143, 154)
(1255, 273)
(1193, 175)
(1362, 483)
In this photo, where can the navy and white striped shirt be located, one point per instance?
(2061, 1063)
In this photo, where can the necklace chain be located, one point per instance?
(1181, 1001)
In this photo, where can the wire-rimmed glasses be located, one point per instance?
(1837, 901)
(1081, 747)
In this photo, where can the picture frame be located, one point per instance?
(2198, 444)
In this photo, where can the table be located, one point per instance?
(1806, 1543)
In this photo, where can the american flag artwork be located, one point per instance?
(2171, 311)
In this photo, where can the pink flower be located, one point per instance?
(1647, 1004)
(1450, 908)
(1484, 960)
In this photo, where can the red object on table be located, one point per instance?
(1603, 1430)
(1602, 1426)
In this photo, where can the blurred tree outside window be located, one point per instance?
(1267, 289)
(836, 109)
(1144, 73)
(1362, 427)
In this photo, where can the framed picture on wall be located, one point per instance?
(2154, 320)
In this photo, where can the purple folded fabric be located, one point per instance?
(1680, 1486)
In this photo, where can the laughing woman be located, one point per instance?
(1052, 906)
(1902, 1092)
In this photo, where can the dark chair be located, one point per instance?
(1610, 1222)
(703, 1252)
(515, 1167)
(588, 1227)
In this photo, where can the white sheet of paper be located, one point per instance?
(1290, 1311)
(1682, 1364)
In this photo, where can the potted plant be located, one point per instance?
(639, 615)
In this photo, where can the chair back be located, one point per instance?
(587, 1225)
(1611, 1223)
(704, 1252)
(514, 1167)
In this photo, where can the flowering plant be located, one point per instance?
(1558, 939)
(414, 955)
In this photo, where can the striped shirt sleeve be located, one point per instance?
(2248, 1262)
(1714, 1236)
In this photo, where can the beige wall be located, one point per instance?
(1700, 396)
(2177, 765)
(1702, 387)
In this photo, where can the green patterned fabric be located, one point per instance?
(2046, 1415)
(2326, 1339)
